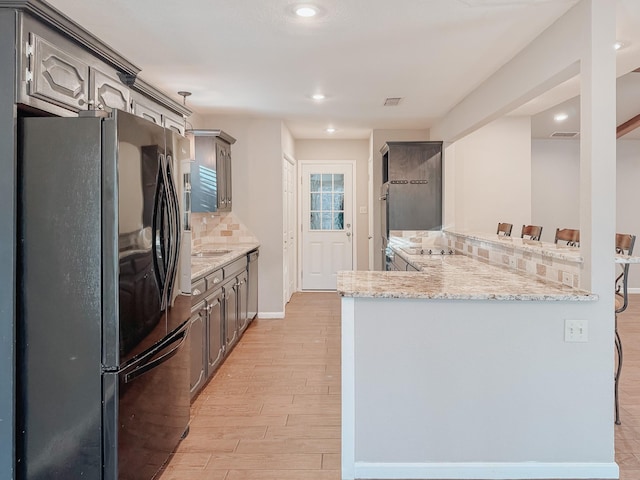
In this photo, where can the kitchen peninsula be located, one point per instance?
(467, 369)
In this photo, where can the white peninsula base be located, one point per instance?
(437, 388)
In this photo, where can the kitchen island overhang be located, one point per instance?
(448, 374)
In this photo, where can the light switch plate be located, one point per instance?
(576, 330)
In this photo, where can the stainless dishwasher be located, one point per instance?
(252, 281)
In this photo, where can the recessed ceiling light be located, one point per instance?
(560, 117)
(618, 45)
(318, 96)
(330, 130)
(306, 11)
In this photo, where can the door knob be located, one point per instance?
(348, 234)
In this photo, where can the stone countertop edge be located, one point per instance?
(455, 277)
(202, 266)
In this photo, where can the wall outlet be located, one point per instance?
(576, 331)
(567, 279)
(363, 209)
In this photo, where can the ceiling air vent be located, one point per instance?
(392, 101)
(564, 134)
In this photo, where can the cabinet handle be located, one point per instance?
(216, 280)
(196, 291)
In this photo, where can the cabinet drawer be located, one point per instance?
(214, 279)
(235, 267)
(198, 289)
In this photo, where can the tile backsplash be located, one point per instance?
(217, 228)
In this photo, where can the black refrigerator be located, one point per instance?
(103, 363)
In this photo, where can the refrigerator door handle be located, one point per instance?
(169, 240)
(173, 343)
(158, 241)
(175, 215)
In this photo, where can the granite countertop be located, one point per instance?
(205, 264)
(454, 277)
(562, 252)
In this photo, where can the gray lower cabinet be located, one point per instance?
(231, 313)
(215, 344)
(243, 302)
(219, 317)
(197, 334)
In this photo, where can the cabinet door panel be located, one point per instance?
(145, 111)
(197, 346)
(204, 176)
(222, 175)
(174, 125)
(107, 92)
(216, 341)
(58, 77)
(230, 313)
(243, 301)
(227, 173)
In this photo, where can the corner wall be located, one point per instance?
(257, 196)
(489, 174)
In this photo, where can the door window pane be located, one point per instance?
(327, 183)
(315, 221)
(338, 182)
(326, 192)
(338, 201)
(314, 182)
(327, 221)
(315, 202)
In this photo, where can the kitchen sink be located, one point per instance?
(210, 253)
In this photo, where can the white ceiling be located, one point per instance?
(254, 57)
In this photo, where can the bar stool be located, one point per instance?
(504, 229)
(532, 232)
(569, 236)
(624, 246)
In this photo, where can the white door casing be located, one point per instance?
(370, 212)
(327, 222)
(289, 227)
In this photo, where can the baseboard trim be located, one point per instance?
(486, 471)
(263, 315)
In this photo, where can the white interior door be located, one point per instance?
(291, 228)
(327, 223)
(288, 230)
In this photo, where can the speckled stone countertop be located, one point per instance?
(454, 277)
(205, 264)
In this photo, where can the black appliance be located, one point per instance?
(411, 192)
(103, 366)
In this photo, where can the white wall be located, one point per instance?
(491, 176)
(555, 191)
(257, 195)
(555, 176)
(378, 139)
(357, 150)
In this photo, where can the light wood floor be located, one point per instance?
(628, 434)
(272, 411)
